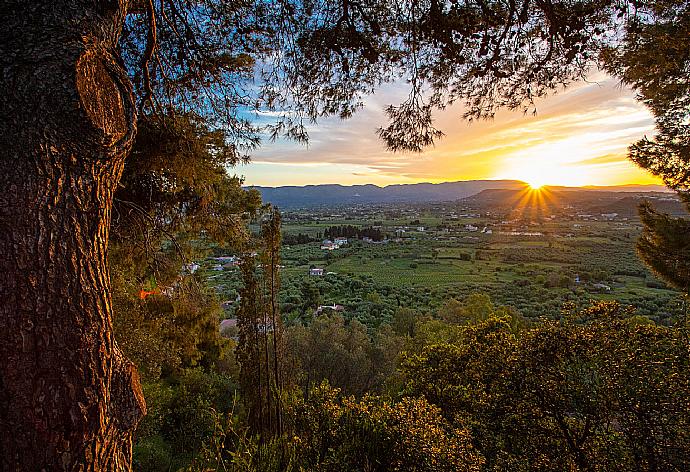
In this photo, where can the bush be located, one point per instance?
(183, 412)
(619, 378)
(342, 434)
(152, 454)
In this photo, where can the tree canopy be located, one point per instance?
(303, 60)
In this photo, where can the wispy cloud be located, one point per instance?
(585, 129)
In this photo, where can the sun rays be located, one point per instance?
(535, 203)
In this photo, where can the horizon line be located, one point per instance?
(590, 186)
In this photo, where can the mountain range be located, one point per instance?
(335, 194)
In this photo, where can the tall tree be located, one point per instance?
(655, 60)
(259, 350)
(175, 199)
(271, 238)
(665, 246)
(67, 394)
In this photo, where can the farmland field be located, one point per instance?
(431, 254)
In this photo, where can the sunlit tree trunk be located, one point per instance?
(69, 400)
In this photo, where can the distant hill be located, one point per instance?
(627, 206)
(587, 200)
(629, 188)
(334, 194)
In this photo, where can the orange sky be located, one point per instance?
(579, 137)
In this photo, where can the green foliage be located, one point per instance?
(476, 307)
(182, 415)
(665, 246)
(610, 394)
(153, 454)
(174, 190)
(310, 296)
(164, 333)
(353, 232)
(404, 322)
(175, 181)
(343, 434)
(175, 194)
(344, 354)
(233, 448)
(653, 60)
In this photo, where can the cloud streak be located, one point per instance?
(585, 129)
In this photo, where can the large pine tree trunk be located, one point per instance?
(69, 400)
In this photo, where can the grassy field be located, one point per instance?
(569, 262)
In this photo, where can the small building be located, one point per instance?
(191, 267)
(316, 272)
(329, 245)
(225, 259)
(229, 323)
(600, 286)
(334, 307)
(340, 241)
(228, 329)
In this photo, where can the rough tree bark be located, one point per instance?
(69, 400)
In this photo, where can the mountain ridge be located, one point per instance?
(293, 196)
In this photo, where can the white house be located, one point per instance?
(316, 272)
(603, 287)
(334, 307)
(225, 259)
(329, 245)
